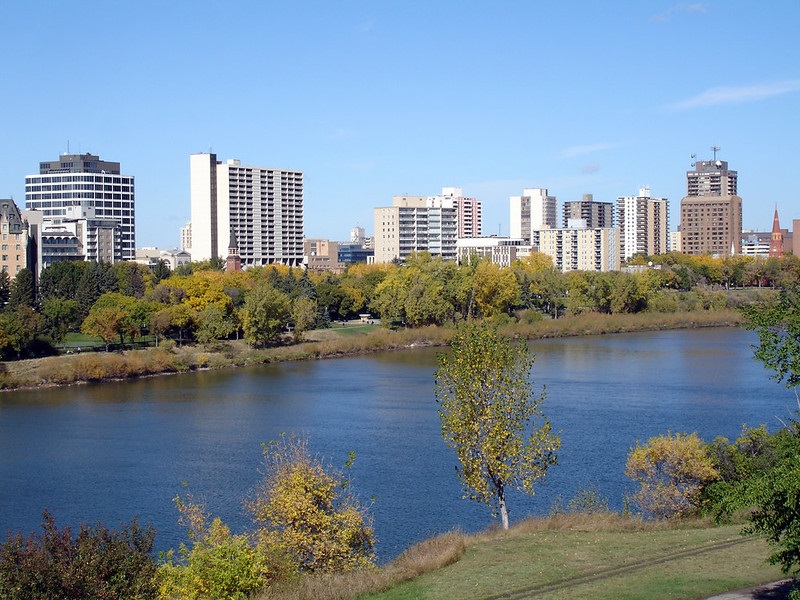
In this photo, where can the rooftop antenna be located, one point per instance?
(715, 149)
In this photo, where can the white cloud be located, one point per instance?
(587, 149)
(738, 94)
(667, 15)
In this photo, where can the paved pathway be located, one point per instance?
(771, 591)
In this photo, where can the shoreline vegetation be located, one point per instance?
(336, 341)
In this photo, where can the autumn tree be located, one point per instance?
(213, 324)
(116, 315)
(18, 330)
(671, 471)
(305, 509)
(304, 315)
(495, 290)
(491, 418)
(265, 314)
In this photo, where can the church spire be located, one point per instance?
(776, 242)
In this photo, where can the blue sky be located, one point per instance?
(373, 99)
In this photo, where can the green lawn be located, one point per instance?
(678, 563)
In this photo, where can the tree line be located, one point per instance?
(124, 302)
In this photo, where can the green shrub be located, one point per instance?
(219, 566)
(530, 316)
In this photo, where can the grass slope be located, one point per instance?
(567, 556)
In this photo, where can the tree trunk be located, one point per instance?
(501, 500)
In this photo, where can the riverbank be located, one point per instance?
(325, 343)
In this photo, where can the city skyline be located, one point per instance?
(374, 101)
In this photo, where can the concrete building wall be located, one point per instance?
(711, 211)
(262, 207)
(644, 224)
(595, 249)
(534, 210)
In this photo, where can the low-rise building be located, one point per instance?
(322, 255)
(174, 257)
(76, 234)
(501, 251)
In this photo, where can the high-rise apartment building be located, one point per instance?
(711, 212)
(596, 214)
(262, 208)
(643, 223)
(84, 180)
(416, 224)
(532, 211)
(469, 212)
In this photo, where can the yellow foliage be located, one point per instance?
(304, 509)
(671, 471)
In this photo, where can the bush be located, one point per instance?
(218, 566)
(306, 521)
(530, 316)
(97, 563)
(305, 509)
(587, 501)
(672, 471)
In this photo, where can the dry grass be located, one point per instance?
(425, 557)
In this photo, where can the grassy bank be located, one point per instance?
(336, 341)
(567, 556)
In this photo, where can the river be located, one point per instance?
(111, 451)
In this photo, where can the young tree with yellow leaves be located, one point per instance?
(491, 418)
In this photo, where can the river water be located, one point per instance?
(111, 451)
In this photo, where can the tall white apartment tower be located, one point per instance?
(84, 180)
(262, 208)
(643, 223)
(531, 212)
